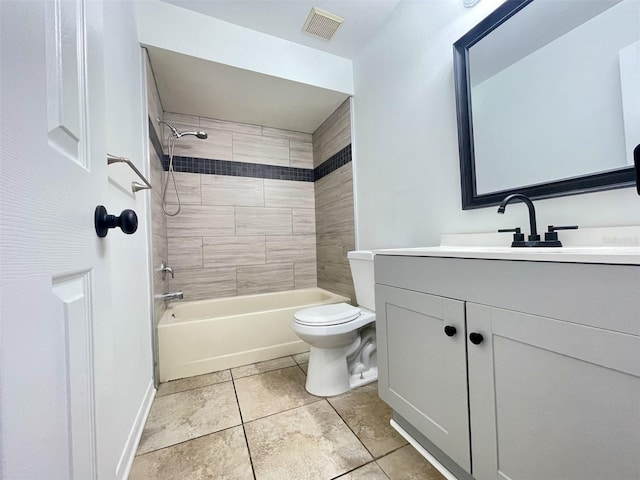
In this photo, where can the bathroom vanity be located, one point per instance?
(514, 363)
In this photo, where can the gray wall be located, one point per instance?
(334, 205)
(405, 138)
(158, 219)
(241, 235)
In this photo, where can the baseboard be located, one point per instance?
(131, 445)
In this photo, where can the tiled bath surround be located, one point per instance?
(334, 202)
(240, 235)
(249, 216)
(158, 218)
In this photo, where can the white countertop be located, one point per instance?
(606, 255)
(612, 245)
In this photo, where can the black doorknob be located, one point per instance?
(127, 221)
(450, 330)
(476, 338)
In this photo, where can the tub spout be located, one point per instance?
(171, 296)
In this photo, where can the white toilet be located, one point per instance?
(342, 337)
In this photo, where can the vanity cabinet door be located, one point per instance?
(552, 400)
(422, 369)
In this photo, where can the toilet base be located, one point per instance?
(332, 371)
(327, 373)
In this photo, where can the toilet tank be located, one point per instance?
(361, 262)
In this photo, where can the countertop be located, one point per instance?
(610, 245)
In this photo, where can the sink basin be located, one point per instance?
(611, 245)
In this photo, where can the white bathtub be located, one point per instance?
(209, 335)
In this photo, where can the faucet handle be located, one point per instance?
(518, 236)
(552, 235)
(164, 268)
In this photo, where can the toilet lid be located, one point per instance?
(324, 315)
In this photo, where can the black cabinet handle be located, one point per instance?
(476, 338)
(450, 330)
(636, 162)
(127, 221)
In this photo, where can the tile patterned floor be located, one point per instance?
(257, 422)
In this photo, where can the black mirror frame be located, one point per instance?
(619, 178)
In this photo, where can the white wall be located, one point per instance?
(128, 254)
(406, 149)
(173, 28)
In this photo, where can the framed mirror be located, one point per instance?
(548, 99)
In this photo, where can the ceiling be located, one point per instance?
(223, 92)
(285, 18)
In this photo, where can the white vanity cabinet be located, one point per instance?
(424, 376)
(551, 390)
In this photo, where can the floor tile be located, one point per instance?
(309, 442)
(368, 416)
(187, 415)
(301, 358)
(272, 392)
(175, 386)
(370, 471)
(304, 367)
(262, 367)
(221, 455)
(407, 464)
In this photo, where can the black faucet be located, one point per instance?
(550, 238)
(533, 235)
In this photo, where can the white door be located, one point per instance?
(54, 338)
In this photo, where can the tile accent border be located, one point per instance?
(252, 170)
(333, 163)
(237, 169)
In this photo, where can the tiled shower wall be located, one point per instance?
(241, 233)
(334, 203)
(158, 219)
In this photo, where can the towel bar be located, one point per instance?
(135, 186)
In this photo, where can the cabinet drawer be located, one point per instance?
(602, 296)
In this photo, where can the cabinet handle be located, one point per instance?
(476, 338)
(450, 330)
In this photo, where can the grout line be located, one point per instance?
(194, 388)
(266, 371)
(244, 431)
(189, 440)
(262, 373)
(356, 468)
(349, 426)
(319, 399)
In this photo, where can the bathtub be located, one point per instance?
(208, 335)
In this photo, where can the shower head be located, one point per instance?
(177, 134)
(201, 135)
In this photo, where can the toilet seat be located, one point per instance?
(327, 315)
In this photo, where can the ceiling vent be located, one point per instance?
(321, 23)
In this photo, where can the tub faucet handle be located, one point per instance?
(164, 268)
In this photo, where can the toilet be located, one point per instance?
(342, 337)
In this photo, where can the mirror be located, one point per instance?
(548, 99)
